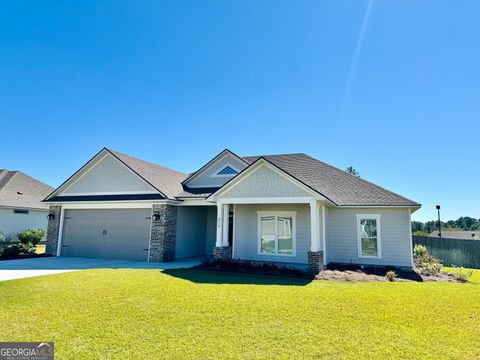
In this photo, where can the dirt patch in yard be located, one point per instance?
(353, 273)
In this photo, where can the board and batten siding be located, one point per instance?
(342, 243)
(264, 182)
(191, 231)
(108, 176)
(12, 223)
(246, 235)
(208, 179)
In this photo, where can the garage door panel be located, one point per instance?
(107, 233)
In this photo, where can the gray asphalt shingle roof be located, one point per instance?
(166, 180)
(18, 190)
(335, 184)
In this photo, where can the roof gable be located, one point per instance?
(335, 184)
(111, 172)
(261, 180)
(217, 171)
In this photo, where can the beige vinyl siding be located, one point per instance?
(208, 179)
(246, 235)
(342, 243)
(108, 176)
(264, 182)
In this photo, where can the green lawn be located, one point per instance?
(196, 314)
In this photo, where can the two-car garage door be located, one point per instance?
(107, 233)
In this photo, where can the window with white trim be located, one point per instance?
(276, 233)
(369, 236)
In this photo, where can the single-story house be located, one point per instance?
(21, 205)
(290, 208)
(457, 234)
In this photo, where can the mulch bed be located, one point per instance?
(355, 273)
(23, 257)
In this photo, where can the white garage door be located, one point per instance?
(107, 233)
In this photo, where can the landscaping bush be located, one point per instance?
(461, 274)
(31, 236)
(426, 263)
(419, 250)
(391, 275)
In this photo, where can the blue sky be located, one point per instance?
(389, 87)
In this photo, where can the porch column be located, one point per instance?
(315, 255)
(219, 224)
(222, 251)
(225, 229)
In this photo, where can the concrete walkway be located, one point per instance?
(17, 269)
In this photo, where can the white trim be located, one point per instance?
(60, 232)
(376, 217)
(109, 206)
(293, 214)
(218, 239)
(268, 200)
(410, 234)
(113, 193)
(252, 169)
(197, 202)
(324, 235)
(314, 227)
(233, 231)
(216, 174)
(150, 236)
(225, 227)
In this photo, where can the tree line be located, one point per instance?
(465, 223)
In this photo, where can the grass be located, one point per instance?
(127, 314)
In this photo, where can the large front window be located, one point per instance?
(368, 227)
(276, 233)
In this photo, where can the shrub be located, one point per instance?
(426, 263)
(419, 250)
(461, 274)
(31, 236)
(420, 233)
(10, 250)
(391, 275)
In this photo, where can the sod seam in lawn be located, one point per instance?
(199, 314)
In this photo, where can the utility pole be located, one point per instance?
(439, 223)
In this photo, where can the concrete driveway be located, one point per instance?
(17, 269)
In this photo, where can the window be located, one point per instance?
(227, 171)
(276, 233)
(369, 236)
(19, 211)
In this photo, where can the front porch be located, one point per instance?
(281, 230)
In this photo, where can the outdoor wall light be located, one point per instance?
(156, 216)
(51, 216)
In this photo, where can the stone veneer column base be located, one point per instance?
(222, 253)
(53, 229)
(315, 262)
(163, 236)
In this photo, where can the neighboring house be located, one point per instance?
(457, 234)
(21, 205)
(281, 208)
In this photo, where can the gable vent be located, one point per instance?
(227, 170)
